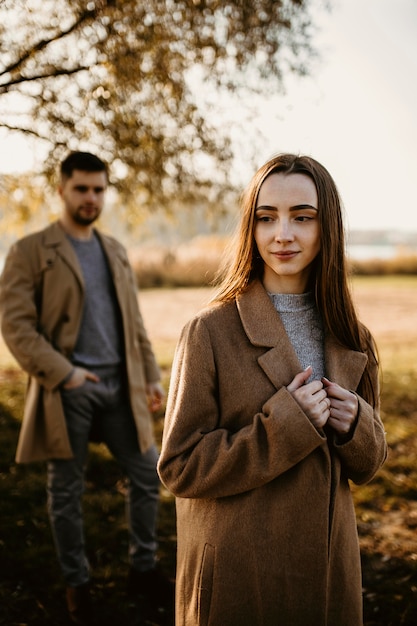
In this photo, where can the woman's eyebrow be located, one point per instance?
(297, 207)
(300, 207)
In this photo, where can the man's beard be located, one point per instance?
(85, 220)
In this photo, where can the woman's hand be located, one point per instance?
(343, 407)
(311, 397)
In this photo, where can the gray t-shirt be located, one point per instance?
(304, 328)
(99, 342)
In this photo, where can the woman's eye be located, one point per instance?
(264, 218)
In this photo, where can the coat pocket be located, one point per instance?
(205, 584)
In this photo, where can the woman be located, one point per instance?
(273, 408)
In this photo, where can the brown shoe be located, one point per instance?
(79, 605)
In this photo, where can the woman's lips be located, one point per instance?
(285, 255)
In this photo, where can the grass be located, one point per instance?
(386, 512)
(31, 590)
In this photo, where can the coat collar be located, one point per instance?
(263, 327)
(56, 238)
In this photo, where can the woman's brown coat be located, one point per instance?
(41, 300)
(266, 525)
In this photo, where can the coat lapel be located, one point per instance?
(280, 363)
(343, 366)
(116, 258)
(264, 327)
(56, 239)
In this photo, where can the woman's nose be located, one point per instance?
(283, 231)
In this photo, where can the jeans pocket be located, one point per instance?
(74, 390)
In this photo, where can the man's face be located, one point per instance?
(83, 196)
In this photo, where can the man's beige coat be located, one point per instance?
(41, 300)
(266, 525)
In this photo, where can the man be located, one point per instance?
(71, 319)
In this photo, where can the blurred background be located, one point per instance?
(186, 99)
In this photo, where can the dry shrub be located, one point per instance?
(191, 264)
(398, 265)
(195, 263)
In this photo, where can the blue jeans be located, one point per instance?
(107, 404)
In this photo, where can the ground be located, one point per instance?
(30, 587)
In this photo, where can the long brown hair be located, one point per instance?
(329, 275)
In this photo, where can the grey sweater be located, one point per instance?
(99, 341)
(304, 328)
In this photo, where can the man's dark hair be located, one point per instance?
(83, 161)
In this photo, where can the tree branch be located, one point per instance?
(28, 131)
(24, 79)
(41, 45)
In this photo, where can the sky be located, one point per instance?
(356, 114)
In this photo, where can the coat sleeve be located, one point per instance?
(152, 371)
(200, 457)
(365, 452)
(20, 322)
(135, 334)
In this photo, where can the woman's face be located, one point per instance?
(287, 231)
